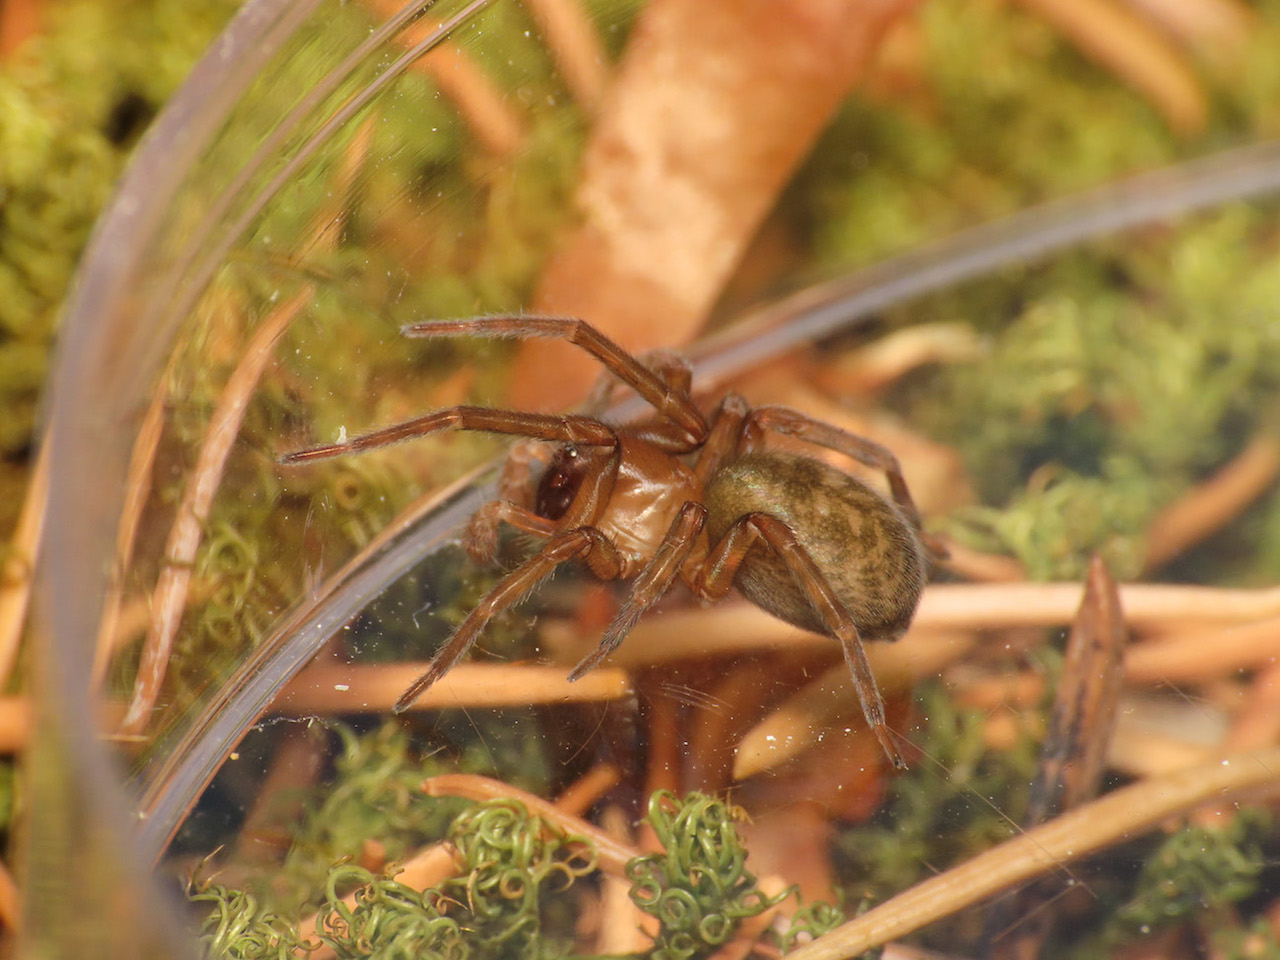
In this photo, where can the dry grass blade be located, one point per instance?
(1200, 655)
(575, 47)
(137, 490)
(16, 572)
(802, 719)
(1074, 753)
(329, 688)
(1134, 51)
(1213, 504)
(705, 121)
(170, 596)
(15, 724)
(1084, 707)
(613, 855)
(1214, 29)
(10, 901)
(295, 767)
(1115, 817)
(735, 628)
(482, 107)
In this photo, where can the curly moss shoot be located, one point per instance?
(516, 871)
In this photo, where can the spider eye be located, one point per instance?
(560, 484)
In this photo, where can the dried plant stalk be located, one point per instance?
(737, 628)
(574, 46)
(1213, 504)
(1073, 755)
(1134, 51)
(10, 901)
(613, 854)
(16, 571)
(712, 108)
(1214, 29)
(343, 688)
(15, 724)
(1196, 656)
(170, 596)
(1084, 707)
(1115, 817)
(482, 107)
(624, 927)
(115, 622)
(802, 718)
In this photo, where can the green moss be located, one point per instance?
(514, 892)
(1197, 872)
(960, 799)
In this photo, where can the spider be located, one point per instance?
(682, 497)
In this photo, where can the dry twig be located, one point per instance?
(482, 107)
(115, 624)
(346, 688)
(705, 121)
(170, 596)
(1215, 503)
(16, 572)
(1115, 817)
(1134, 51)
(613, 855)
(1073, 755)
(574, 46)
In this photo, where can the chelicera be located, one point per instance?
(682, 497)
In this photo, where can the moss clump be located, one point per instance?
(516, 889)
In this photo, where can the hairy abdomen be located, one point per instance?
(867, 549)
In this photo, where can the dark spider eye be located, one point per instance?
(560, 484)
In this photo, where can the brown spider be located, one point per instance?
(678, 497)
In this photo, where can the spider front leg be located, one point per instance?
(668, 395)
(721, 566)
(586, 543)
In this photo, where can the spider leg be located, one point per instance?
(585, 542)
(664, 393)
(654, 580)
(514, 504)
(579, 430)
(721, 566)
(724, 439)
(797, 424)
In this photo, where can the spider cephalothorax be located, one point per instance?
(681, 497)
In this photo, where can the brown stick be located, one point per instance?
(1216, 30)
(1073, 755)
(330, 688)
(170, 595)
(482, 107)
(945, 608)
(1115, 817)
(137, 490)
(1212, 505)
(612, 853)
(577, 51)
(10, 901)
(1135, 52)
(714, 105)
(16, 572)
(803, 718)
(1203, 654)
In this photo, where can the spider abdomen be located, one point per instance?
(861, 541)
